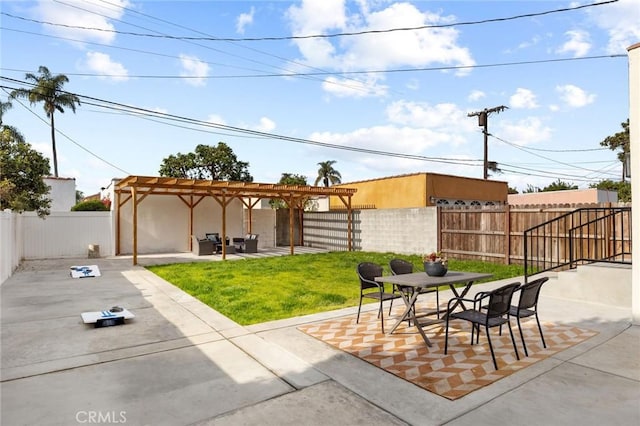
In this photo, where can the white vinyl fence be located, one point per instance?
(59, 235)
(67, 234)
(10, 244)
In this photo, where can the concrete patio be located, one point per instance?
(179, 362)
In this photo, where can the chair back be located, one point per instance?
(500, 300)
(400, 266)
(529, 293)
(367, 271)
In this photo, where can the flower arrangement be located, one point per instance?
(435, 257)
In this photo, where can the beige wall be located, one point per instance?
(163, 223)
(634, 130)
(578, 196)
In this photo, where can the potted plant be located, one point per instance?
(435, 264)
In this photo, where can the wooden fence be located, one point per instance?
(496, 233)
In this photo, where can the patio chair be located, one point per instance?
(201, 247)
(371, 289)
(528, 306)
(248, 244)
(401, 266)
(494, 314)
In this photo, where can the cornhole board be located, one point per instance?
(106, 318)
(86, 271)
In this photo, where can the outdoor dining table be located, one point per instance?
(411, 284)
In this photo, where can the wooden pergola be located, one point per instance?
(193, 191)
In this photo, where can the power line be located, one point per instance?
(170, 119)
(4, 89)
(542, 156)
(101, 103)
(343, 34)
(298, 74)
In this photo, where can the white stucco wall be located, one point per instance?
(163, 223)
(62, 193)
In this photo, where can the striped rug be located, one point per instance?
(464, 369)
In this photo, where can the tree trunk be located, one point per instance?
(53, 147)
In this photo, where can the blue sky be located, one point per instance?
(404, 93)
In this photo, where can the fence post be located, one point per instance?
(507, 235)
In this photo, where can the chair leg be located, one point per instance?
(540, 330)
(495, 363)
(524, 345)
(446, 335)
(437, 303)
(381, 315)
(359, 306)
(513, 340)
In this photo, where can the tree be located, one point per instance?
(288, 179)
(21, 172)
(327, 174)
(207, 162)
(11, 131)
(47, 89)
(512, 191)
(90, 206)
(622, 141)
(558, 185)
(531, 189)
(622, 188)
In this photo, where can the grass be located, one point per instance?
(252, 291)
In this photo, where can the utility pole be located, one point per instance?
(483, 121)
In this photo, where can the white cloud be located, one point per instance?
(216, 119)
(476, 95)
(357, 88)
(445, 117)
(399, 139)
(523, 98)
(621, 20)
(377, 51)
(102, 64)
(524, 132)
(244, 19)
(194, 69)
(578, 44)
(87, 13)
(266, 125)
(574, 96)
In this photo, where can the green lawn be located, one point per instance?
(252, 291)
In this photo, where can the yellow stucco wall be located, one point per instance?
(421, 190)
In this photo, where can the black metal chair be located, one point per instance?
(367, 271)
(401, 266)
(495, 314)
(528, 306)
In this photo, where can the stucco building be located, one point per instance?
(422, 190)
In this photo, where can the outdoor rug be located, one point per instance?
(464, 369)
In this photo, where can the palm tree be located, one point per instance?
(327, 174)
(47, 88)
(10, 131)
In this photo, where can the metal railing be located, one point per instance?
(585, 235)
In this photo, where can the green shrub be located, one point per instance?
(90, 206)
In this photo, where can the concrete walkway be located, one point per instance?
(179, 362)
